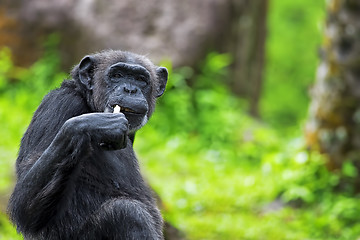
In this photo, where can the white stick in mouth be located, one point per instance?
(117, 109)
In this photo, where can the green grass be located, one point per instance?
(229, 193)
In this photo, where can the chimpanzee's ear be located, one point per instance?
(162, 74)
(86, 71)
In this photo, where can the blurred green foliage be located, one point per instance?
(236, 176)
(294, 39)
(220, 173)
(21, 91)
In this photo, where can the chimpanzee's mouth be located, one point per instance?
(124, 110)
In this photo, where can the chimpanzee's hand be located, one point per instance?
(107, 130)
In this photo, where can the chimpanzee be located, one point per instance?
(77, 174)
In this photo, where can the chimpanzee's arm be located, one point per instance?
(59, 136)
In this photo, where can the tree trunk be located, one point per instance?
(247, 45)
(334, 117)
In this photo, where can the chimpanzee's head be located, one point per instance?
(131, 81)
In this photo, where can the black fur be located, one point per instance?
(77, 174)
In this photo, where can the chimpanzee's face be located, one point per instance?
(126, 80)
(129, 87)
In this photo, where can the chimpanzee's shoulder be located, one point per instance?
(71, 86)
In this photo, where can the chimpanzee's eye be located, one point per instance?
(117, 75)
(141, 78)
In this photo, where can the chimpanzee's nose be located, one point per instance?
(130, 89)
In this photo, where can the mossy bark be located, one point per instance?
(334, 117)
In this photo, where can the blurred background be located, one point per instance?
(258, 133)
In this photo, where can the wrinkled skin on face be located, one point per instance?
(129, 81)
